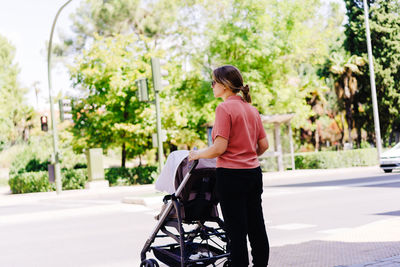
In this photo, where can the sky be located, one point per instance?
(27, 24)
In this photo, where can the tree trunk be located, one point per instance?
(349, 121)
(123, 155)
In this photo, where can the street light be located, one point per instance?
(372, 80)
(55, 157)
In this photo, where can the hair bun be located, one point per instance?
(245, 89)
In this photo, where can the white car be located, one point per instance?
(391, 159)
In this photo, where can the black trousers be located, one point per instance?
(239, 192)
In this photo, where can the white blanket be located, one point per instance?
(166, 180)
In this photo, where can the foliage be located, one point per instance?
(16, 118)
(110, 115)
(152, 20)
(278, 46)
(327, 159)
(28, 182)
(385, 36)
(36, 154)
(131, 176)
(74, 179)
(34, 165)
(37, 149)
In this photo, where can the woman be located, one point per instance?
(238, 139)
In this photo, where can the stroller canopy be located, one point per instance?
(176, 167)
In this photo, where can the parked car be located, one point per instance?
(391, 159)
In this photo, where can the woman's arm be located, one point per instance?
(262, 146)
(217, 149)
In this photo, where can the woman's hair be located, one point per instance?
(230, 77)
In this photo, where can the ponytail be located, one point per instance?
(246, 94)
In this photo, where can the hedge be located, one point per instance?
(29, 182)
(131, 176)
(325, 159)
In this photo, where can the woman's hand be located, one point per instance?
(193, 155)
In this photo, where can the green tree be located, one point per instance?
(346, 71)
(110, 114)
(16, 118)
(385, 36)
(278, 45)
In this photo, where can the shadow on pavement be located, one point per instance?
(384, 181)
(319, 253)
(391, 213)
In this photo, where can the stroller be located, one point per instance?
(193, 205)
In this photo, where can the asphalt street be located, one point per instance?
(314, 218)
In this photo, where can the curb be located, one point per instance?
(145, 201)
(6, 198)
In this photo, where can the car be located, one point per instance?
(390, 159)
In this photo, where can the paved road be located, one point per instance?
(314, 218)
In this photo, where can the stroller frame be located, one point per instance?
(201, 230)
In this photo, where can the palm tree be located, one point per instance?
(346, 68)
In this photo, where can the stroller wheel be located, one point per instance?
(227, 263)
(149, 263)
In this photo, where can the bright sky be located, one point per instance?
(27, 24)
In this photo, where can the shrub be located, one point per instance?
(80, 165)
(326, 159)
(39, 181)
(30, 182)
(37, 148)
(131, 176)
(74, 179)
(35, 165)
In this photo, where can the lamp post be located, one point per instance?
(55, 157)
(372, 80)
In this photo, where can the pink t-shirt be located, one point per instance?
(239, 123)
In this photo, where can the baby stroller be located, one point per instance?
(192, 204)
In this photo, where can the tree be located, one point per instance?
(16, 118)
(110, 114)
(385, 36)
(346, 71)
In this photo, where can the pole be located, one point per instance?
(291, 145)
(159, 137)
(156, 72)
(55, 158)
(372, 80)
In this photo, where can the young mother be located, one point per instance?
(238, 138)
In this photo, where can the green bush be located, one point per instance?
(326, 159)
(38, 148)
(80, 165)
(35, 155)
(35, 165)
(30, 182)
(39, 181)
(74, 179)
(131, 176)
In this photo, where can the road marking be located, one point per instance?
(292, 226)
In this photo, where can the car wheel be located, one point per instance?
(388, 170)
